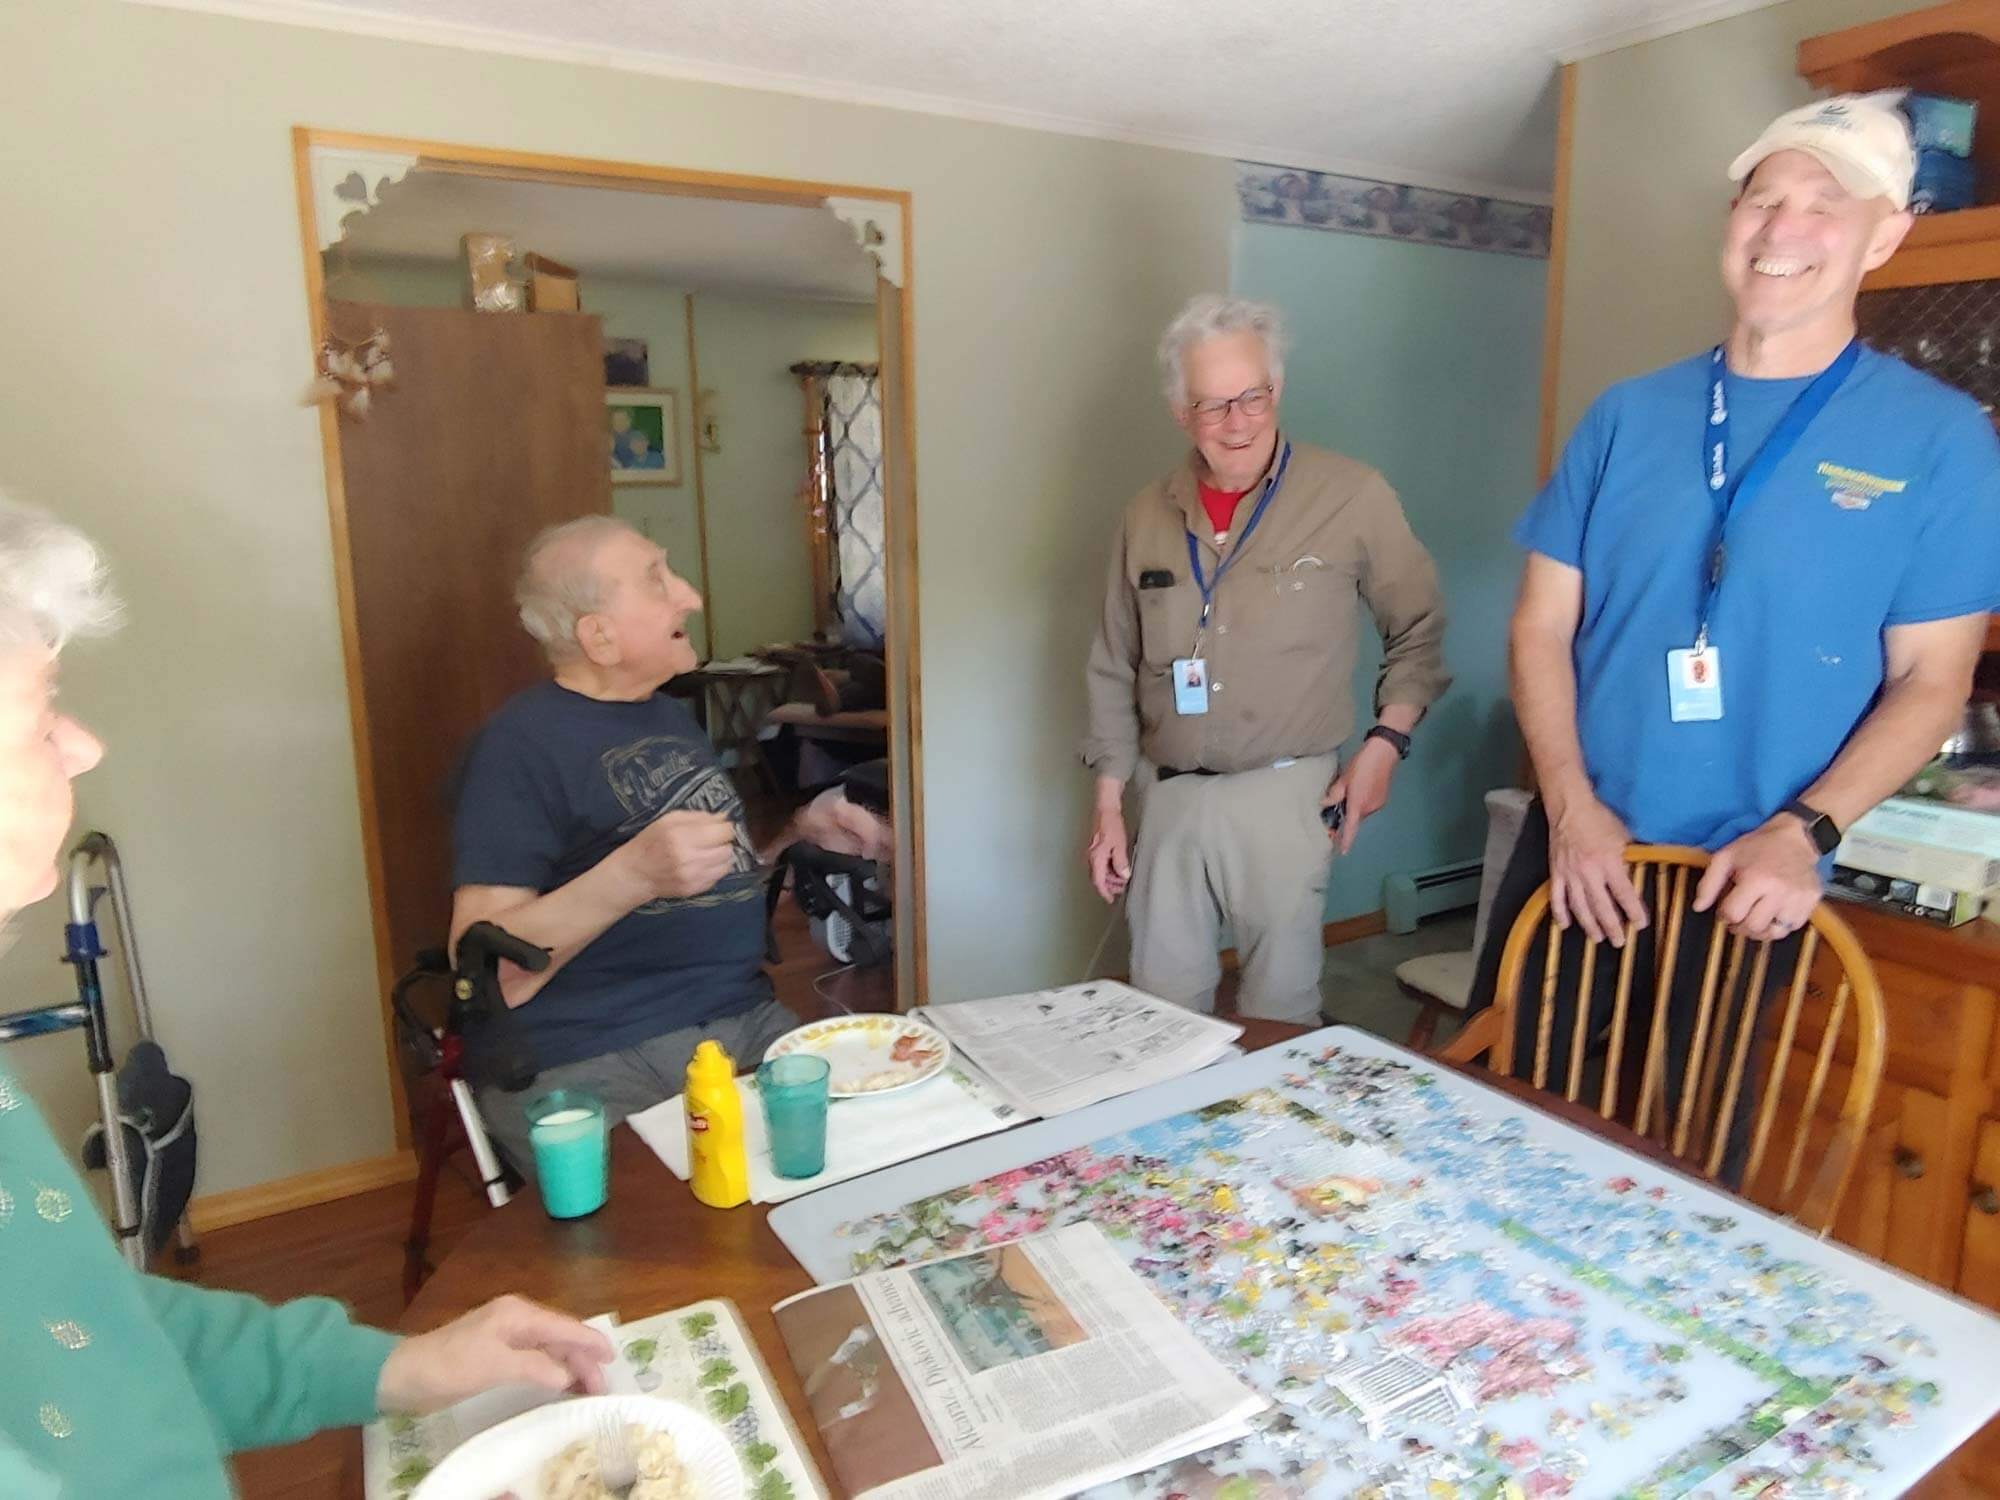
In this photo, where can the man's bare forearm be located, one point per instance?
(565, 920)
(1542, 672)
(1902, 733)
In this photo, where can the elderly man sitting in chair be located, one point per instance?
(594, 819)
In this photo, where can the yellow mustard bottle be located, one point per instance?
(718, 1164)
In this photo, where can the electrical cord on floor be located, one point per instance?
(1111, 926)
(818, 985)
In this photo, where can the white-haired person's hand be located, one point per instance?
(509, 1341)
(843, 827)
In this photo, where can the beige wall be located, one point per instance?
(157, 346)
(759, 571)
(1656, 128)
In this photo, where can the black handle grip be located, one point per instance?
(497, 1051)
(483, 942)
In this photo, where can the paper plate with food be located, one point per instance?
(869, 1054)
(593, 1448)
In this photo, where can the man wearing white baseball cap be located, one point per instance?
(1758, 580)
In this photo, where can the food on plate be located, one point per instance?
(912, 1048)
(573, 1474)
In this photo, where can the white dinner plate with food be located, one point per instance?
(870, 1054)
(550, 1454)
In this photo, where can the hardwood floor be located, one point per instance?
(352, 1250)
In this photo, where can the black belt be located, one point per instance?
(1168, 773)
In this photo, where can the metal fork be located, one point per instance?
(616, 1470)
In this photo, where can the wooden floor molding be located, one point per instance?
(1347, 930)
(1353, 929)
(240, 1205)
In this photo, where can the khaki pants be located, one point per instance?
(1248, 848)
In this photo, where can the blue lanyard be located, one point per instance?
(1784, 437)
(1208, 586)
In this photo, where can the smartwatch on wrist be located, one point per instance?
(1396, 740)
(1821, 829)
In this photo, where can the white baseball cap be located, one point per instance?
(1862, 139)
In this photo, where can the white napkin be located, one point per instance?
(862, 1135)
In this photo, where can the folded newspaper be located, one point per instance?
(1052, 1051)
(1033, 1369)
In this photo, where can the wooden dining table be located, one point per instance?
(653, 1247)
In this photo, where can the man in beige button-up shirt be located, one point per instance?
(1240, 700)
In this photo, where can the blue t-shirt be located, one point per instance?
(552, 784)
(1885, 512)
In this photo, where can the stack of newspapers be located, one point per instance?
(1051, 1051)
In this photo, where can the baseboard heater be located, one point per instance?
(1415, 894)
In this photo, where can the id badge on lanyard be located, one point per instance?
(1694, 675)
(1191, 671)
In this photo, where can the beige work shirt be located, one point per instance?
(1280, 640)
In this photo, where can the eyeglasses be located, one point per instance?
(1252, 403)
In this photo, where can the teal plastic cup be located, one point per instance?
(572, 1152)
(793, 1089)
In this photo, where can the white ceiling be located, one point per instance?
(702, 244)
(1450, 95)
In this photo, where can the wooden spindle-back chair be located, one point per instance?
(1832, 990)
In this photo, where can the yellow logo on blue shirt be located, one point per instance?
(1856, 489)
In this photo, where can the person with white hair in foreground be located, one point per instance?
(594, 819)
(118, 1383)
(1225, 659)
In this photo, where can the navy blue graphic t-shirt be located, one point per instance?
(554, 783)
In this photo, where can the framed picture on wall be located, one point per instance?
(642, 428)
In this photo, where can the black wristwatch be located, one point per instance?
(1822, 830)
(1396, 740)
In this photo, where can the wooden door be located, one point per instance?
(493, 429)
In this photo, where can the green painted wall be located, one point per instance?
(759, 576)
(634, 309)
(1423, 362)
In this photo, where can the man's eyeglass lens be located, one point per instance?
(1252, 403)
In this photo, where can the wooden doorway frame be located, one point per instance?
(894, 308)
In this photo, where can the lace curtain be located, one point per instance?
(844, 492)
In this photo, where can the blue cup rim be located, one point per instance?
(767, 1071)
